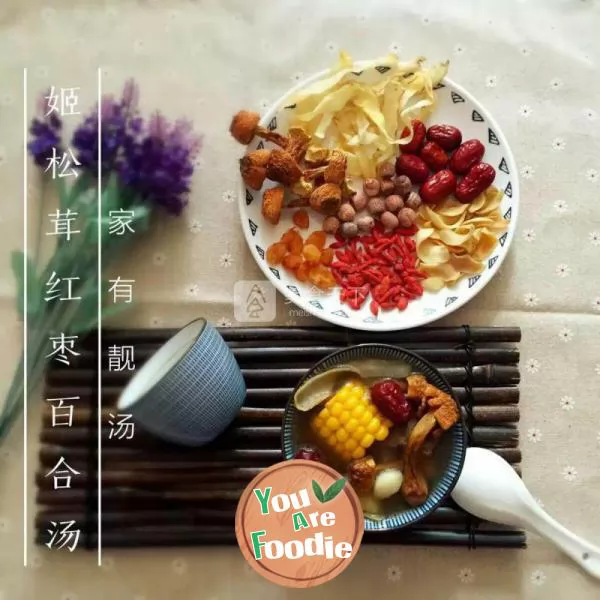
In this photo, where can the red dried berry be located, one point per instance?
(388, 396)
(309, 453)
(434, 156)
(447, 136)
(466, 155)
(413, 167)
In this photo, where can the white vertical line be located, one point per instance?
(25, 304)
(99, 317)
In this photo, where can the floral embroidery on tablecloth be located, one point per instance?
(534, 435)
(530, 300)
(527, 172)
(569, 473)
(561, 206)
(466, 575)
(567, 403)
(394, 573)
(525, 111)
(538, 577)
(226, 260)
(565, 334)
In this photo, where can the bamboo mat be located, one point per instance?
(158, 494)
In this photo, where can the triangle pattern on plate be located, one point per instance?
(382, 69)
(273, 124)
(493, 138)
(476, 117)
(316, 304)
(503, 166)
(450, 300)
(508, 214)
(340, 313)
(492, 261)
(438, 86)
(473, 280)
(371, 319)
(456, 98)
(249, 197)
(503, 238)
(294, 289)
(260, 145)
(261, 252)
(508, 190)
(275, 272)
(290, 106)
(429, 311)
(253, 226)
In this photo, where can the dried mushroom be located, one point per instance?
(361, 474)
(244, 126)
(298, 141)
(326, 199)
(272, 203)
(283, 168)
(335, 172)
(316, 157)
(253, 168)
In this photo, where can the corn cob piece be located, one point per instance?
(349, 423)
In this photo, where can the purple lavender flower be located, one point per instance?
(119, 121)
(159, 164)
(45, 132)
(155, 161)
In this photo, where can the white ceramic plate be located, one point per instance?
(456, 107)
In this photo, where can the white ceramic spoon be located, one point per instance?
(489, 488)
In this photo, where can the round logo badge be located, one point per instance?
(299, 523)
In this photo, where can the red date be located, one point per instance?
(434, 156)
(418, 138)
(446, 136)
(413, 167)
(466, 155)
(438, 186)
(475, 182)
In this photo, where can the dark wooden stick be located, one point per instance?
(129, 517)
(247, 436)
(176, 455)
(456, 335)
(249, 415)
(209, 491)
(489, 375)
(193, 459)
(307, 355)
(276, 396)
(199, 536)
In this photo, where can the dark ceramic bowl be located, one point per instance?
(441, 489)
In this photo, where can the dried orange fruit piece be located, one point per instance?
(275, 253)
(293, 240)
(318, 239)
(311, 253)
(301, 219)
(327, 256)
(302, 272)
(292, 261)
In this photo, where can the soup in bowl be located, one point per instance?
(386, 419)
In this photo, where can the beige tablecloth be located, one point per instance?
(533, 64)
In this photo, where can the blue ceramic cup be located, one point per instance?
(190, 390)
